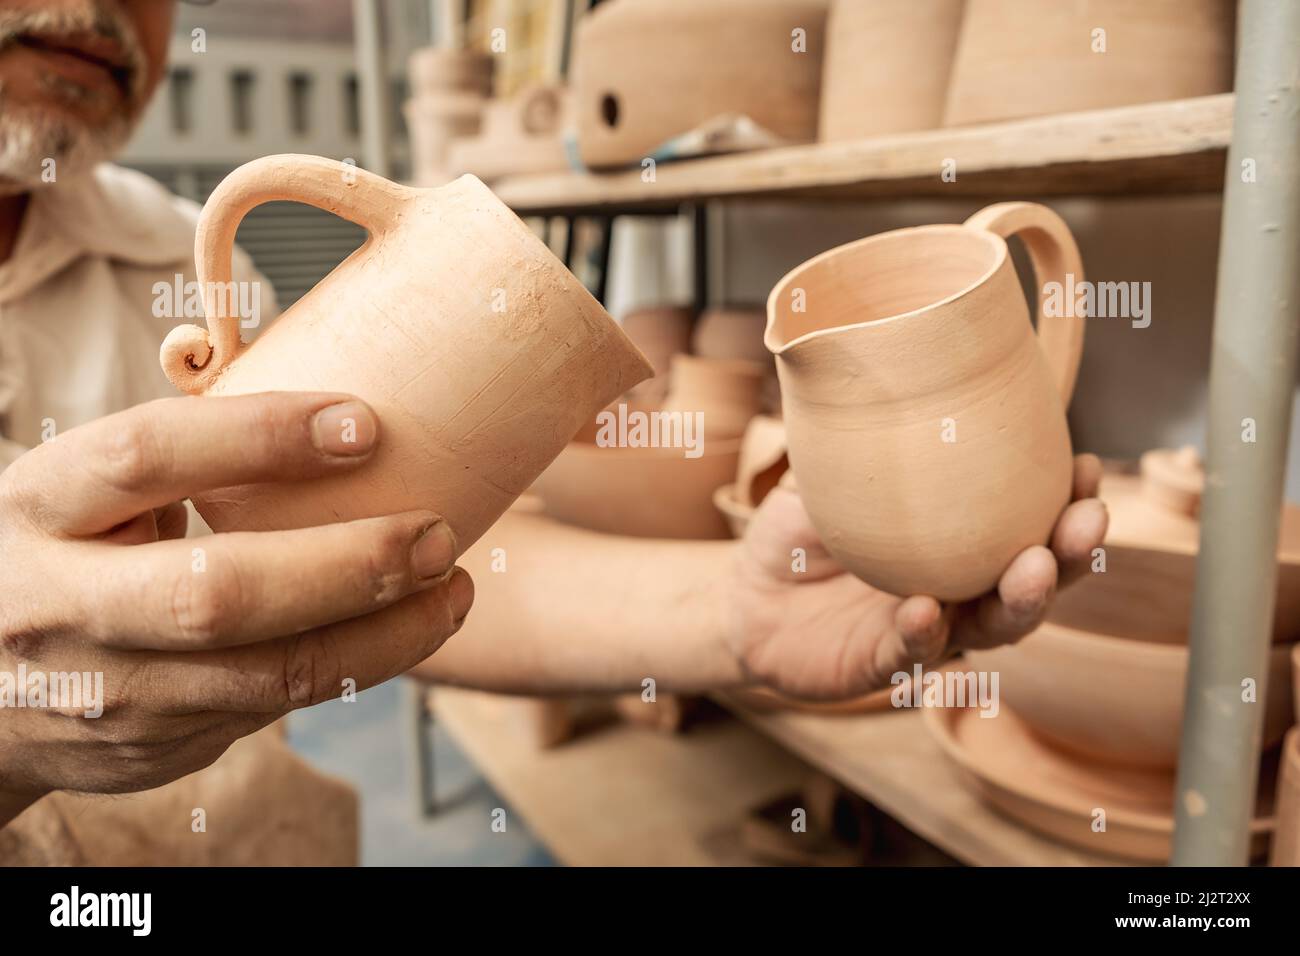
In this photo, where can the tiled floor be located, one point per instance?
(365, 743)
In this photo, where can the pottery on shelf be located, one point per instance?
(1058, 794)
(646, 71)
(736, 332)
(887, 66)
(639, 492)
(520, 135)
(728, 392)
(926, 420)
(1028, 58)
(1114, 700)
(660, 332)
(434, 121)
(1286, 841)
(763, 459)
(474, 400)
(1145, 592)
(432, 70)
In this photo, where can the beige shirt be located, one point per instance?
(78, 335)
(79, 340)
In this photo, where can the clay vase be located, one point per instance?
(1110, 699)
(520, 135)
(1145, 590)
(660, 332)
(887, 66)
(474, 400)
(639, 492)
(729, 392)
(1027, 58)
(646, 71)
(763, 459)
(926, 421)
(1286, 839)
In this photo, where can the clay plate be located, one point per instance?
(1055, 794)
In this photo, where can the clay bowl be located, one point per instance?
(660, 332)
(646, 71)
(735, 511)
(1028, 58)
(887, 66)
(639, 492)
(763, 459)
(1286, 842)
(1111, 699)
(728, 391)
(1057, 793)
(1146, 591)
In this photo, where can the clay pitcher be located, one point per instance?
(926, 421)
(480, 353)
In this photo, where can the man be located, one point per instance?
(94, 580)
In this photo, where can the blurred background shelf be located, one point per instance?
(624, 793)
(1172, 147)
(892, 761)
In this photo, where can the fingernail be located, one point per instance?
(348, 428)
(460, 592)
(434, 552)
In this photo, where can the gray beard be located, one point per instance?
(38, 147)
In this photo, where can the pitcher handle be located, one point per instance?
(1055, 256)
(193, 357)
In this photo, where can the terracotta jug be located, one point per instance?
(481, 354)
(926, 421)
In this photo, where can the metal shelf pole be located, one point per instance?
(1252, 380)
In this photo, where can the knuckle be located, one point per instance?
(203, 604)
(132, 458)
(311, 671)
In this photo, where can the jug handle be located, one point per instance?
(1054, 255)
(193, 357)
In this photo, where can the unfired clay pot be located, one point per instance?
(1114, 700)
(1029, 58)
(474, 400)
(926, 421)
(1145, 591)
(434, 121)
(887, 66)
(736, 332)
(729, 392)
(1286, 841)
(646, 71)
(660, 332)
(520, 135)
(639, 492)
(1058, 794)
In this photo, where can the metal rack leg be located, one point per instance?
(700, 236)
(1252, 380)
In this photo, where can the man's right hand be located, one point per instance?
(93, 579)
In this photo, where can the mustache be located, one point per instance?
(63, 25)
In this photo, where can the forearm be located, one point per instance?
(13, 804)
(558, 609)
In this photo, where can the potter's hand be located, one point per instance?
(201, 641)
(823, 634)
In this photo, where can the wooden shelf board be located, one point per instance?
(1172, 147)
(890, 759)
(622, 795)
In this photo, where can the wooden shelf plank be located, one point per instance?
(890, 759)
(621, 795)
(1172, 147)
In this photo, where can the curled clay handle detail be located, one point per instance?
(191, 356)
(1054, 255)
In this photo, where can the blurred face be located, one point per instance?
(75, 76)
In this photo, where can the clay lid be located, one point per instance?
(1159, 508)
